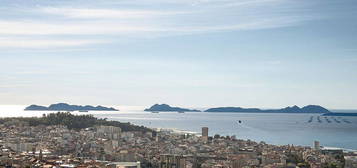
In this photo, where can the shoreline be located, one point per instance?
(182, 132)
(145, 119)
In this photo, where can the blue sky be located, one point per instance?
(192, 53)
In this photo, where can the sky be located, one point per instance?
(189, 53)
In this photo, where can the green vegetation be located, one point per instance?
(73, 121)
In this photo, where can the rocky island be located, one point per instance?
(67, 107)
(165, 107)
(293, 109)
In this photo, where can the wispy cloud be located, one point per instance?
(68, 28)
(86, 13)
(220, 3)
(6, 86)
(145, 21)
(110, 28)
(43, 43)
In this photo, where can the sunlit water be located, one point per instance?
(271, 128)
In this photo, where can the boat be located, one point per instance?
(239, 121)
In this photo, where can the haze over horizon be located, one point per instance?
(187, 53)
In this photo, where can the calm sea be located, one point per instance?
(281, 129)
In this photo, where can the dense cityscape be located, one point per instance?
(60, 142)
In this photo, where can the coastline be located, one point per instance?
(278, 129)
(148, 147)
(182, 132)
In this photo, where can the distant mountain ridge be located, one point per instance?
(293, 109)
(165, 107)
(67, 107)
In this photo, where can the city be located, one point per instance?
(53, 146)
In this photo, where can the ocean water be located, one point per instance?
(280, 129)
